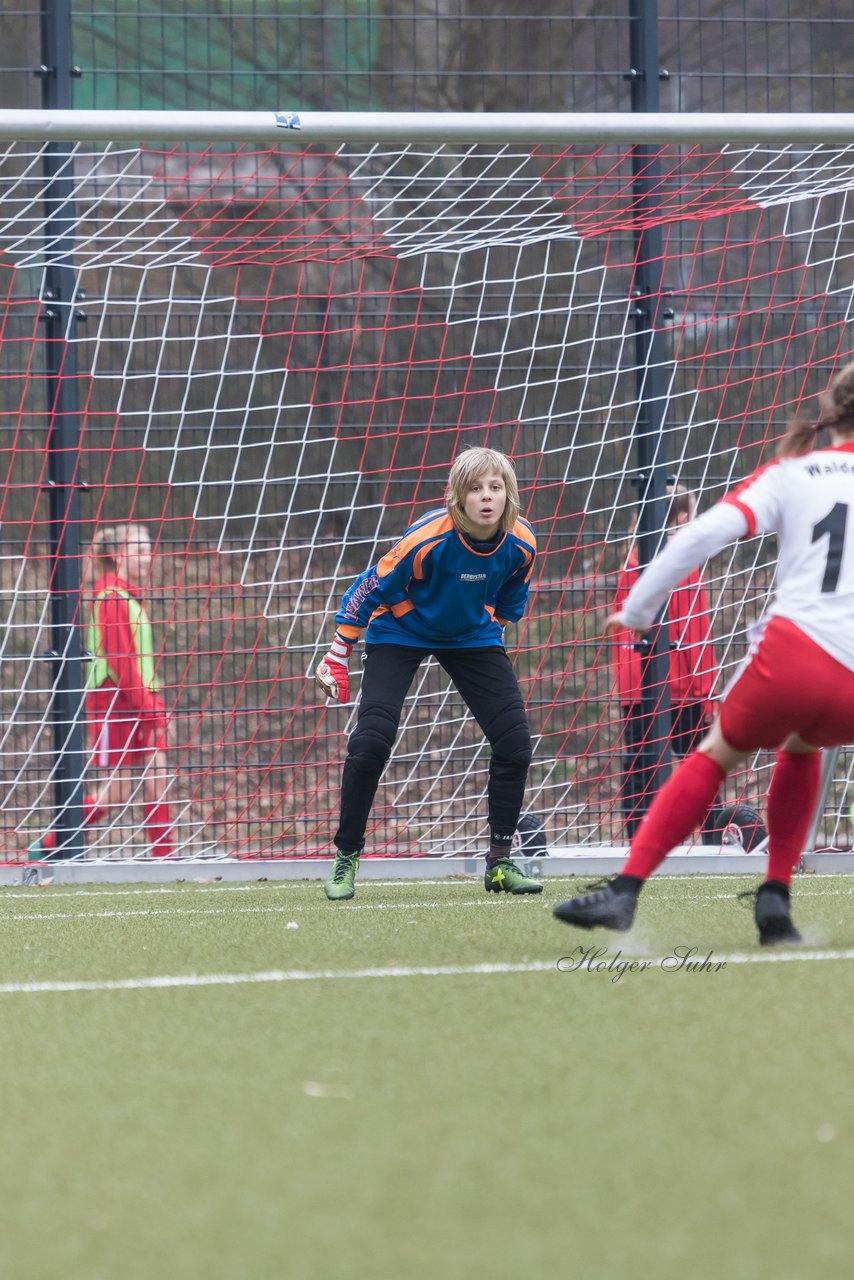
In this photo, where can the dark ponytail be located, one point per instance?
(837, 411)
(837, 403)
(800, 438)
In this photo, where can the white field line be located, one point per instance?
(12, 892)
(292, 907)
(413, 971)
(287, 909)
(273, 976)
(797, 894)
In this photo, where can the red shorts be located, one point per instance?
(120, 740)
(789, 685)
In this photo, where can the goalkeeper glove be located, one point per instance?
(332, 674)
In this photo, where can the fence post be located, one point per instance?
(652, 384)
(60, 315)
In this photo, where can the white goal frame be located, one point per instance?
(401, 129)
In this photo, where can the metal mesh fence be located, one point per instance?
(442, 55)
(359, 54)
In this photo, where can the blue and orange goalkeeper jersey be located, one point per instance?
(434, 590)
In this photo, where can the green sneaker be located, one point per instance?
(505, 877)
(341, 881)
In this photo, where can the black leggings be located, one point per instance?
(486, 682)
(687, 730)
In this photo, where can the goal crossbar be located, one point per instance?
(429, 126)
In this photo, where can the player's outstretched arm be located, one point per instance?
(615, 622)
(332, 674)
(687, 550)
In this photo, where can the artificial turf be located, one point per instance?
(447, 1102)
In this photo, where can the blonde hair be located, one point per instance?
(837, 412)
(470, 465)
(682, 503)
(109, 543)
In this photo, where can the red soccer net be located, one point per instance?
(282, 354)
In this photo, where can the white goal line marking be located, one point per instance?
(409, 971)
(12, 892)
(287, 909)
(293, 907)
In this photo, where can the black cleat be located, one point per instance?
(771, 913)
(611, 907)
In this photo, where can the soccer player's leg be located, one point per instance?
(792, 798)
(45, 845)
(109, 739)
(487, 684)
(676, 811)
(819, 693)
(156, 807)
(759, 710)
(795, 698)
(387, 674)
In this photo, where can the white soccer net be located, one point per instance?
(285, 346)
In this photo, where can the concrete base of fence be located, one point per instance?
(584, 861)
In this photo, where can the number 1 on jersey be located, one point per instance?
(833, 525)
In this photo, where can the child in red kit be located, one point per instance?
(125, 710)
(692, 672)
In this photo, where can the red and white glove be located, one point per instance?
(332, 674)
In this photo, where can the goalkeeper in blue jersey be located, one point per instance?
(446, 588)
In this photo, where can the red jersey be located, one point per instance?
(692, 659)
(122, 650)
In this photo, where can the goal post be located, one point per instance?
(284, 327)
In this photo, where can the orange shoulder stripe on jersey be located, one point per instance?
(529, 550)
(526, 535)
(431, 529)
(418, 563)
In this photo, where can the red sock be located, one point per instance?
(91, 813)
(158, 825)
(792, 799)
(677, 810)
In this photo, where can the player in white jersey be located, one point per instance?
(795, 694)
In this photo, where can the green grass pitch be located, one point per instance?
(209, 1081)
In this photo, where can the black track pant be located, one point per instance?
(639, 758)
(485, 680)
